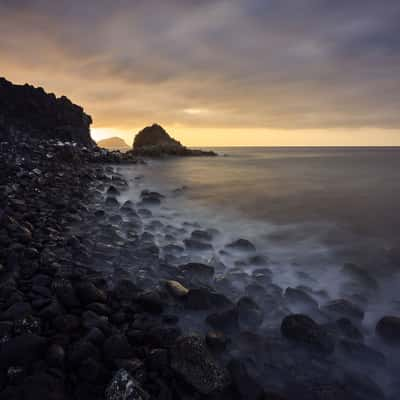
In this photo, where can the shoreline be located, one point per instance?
(90, 309)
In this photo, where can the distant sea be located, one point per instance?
(299, 205)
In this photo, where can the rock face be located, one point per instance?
(113, 143)
(302, 329)
(27, 112)
(388, 328)
(154, 135)
(154, 141)
(192, 361)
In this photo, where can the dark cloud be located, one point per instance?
(250, 63)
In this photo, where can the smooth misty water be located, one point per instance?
(308, 211)
(354, 190)
(309, 207)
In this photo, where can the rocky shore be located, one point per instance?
(92, 306)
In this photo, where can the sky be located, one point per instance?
(216, 72)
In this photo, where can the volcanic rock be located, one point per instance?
(195, 364)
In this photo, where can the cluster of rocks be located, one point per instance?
(67, 330)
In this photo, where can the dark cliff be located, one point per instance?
(29, 112)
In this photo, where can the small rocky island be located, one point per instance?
(113, 143)
(154, 141)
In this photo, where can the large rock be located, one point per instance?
(250, 315)
(29, 111)
(388, 328)
(345, 308)
(302, 329)
(154, 141)
(124, 387)
(21, 350)
(195, 364)
(154, 135)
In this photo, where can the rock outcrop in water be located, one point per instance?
(29, 112)
(113, 143)
(154, 141)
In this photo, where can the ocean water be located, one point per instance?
(355, 190)
(308, 211)
(311, 207)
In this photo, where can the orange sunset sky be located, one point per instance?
(216, 73)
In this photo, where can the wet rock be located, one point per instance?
(173, 249)
(247, 386)
(92, 320)
(150, 301)
(202, 272)
(99, 308)
(176, 288)
(241, 245)
(216, 341)
(360, 276)
(95, 336)
(361, 352)
(192, 361)
(125, 289)
(28, 324)
(115, 347)
(44, 386)
(150, 198)
(299, 297)
(113, 191)
(205, 299)
(197, 245)
(388, 328)
(158, 359)
(143, 212)
(349, 330)
(199, 235)
(66, 294)
(111, 202)
(124, 387)
(302, 329)
(82, 350)
(55, 356)
(225, 321)
(6, 331)
(250, 315)
(199, 299)
(91, 371)
(51, 311)
(89, 293)
(342, 307)
(16, 311)
(66, 323)
(21, 350)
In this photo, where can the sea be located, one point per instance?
(322, 220)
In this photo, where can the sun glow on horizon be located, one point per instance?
(223, 137)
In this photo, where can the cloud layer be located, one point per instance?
(275, 64)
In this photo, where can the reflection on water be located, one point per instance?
(354, 187)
